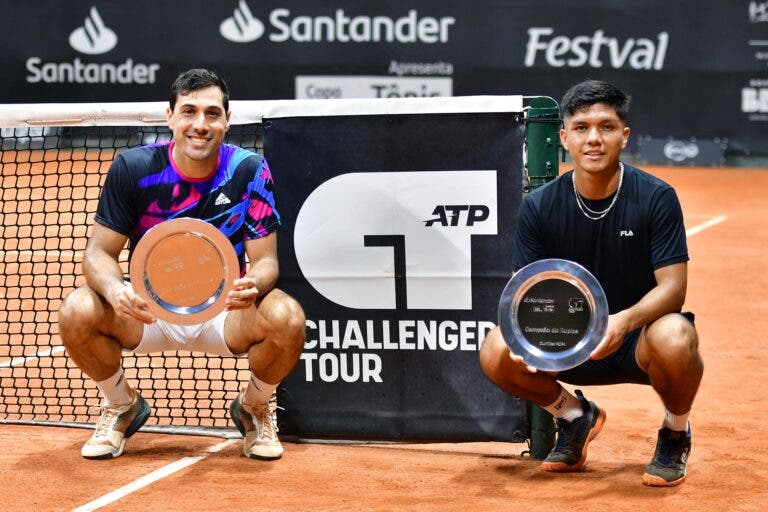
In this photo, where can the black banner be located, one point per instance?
(694, 70)
(396, 241)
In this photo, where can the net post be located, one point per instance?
(542, 431)
(541, 141)
(542, 148)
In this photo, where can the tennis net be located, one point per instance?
(51, 178)
(53, 162)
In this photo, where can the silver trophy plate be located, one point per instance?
(553, 313)
(184, 268)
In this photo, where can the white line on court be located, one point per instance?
(704, 225)
(50, 253)
(150, 478)
(18, 361)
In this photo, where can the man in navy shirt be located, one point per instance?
(626, 227)
(195, 175)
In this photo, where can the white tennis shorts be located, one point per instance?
(207, 337)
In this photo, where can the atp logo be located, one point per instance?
(242, 26)
(94, 37)
(451, 214)
(372, 250)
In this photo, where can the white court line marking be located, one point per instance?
(19, 361)
(150, 478)
(47, 253)
(704, 225)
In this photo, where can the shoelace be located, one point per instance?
(562, 435)
(108, 416)
(671, 450)
(266, 421)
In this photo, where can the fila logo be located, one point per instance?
(450, 214)
(222, 199)
(371, 251)
(626, 233)
(93, 37)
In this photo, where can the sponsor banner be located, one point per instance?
(754, 99)
(396, 242)
(325, 87)
(91, 37)
(336, 25)
(664, 55)
(681, 152)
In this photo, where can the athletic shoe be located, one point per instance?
(258, 425)
(667, 468)
(116, 424)
(573, 437)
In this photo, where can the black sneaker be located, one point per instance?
(570, 451)
(667, 468)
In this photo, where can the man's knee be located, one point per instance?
(285, 315)
(492, 351)
(672, 337)
(80, 311)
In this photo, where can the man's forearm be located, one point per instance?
(663, 299)
(265, 274)
(102, 272)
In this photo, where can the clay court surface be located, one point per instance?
(726, 213)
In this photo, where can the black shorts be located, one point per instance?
(619, 367)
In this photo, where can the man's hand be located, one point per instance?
(618, 327)
(519, 360)
(243, 295)
(129, 306)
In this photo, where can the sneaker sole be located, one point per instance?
(656, 481)
(562, 467)
(108, 455)
(261, 457)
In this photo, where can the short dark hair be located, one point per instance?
(196, 79)
(585, 94)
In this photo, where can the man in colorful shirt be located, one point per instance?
(193, 176)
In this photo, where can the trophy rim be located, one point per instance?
(521, 282)
(184, 315)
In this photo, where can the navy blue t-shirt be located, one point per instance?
(643, 232)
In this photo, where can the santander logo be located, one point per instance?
(93, 37)
(242, 26)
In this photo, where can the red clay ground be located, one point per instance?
(41, 469)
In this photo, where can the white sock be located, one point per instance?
(115, 389)
(567, 407)
(258, 392)
(677, 422)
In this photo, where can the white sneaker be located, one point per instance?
(258, 425)
(115, 425)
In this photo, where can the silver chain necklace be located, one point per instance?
(586, 210)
